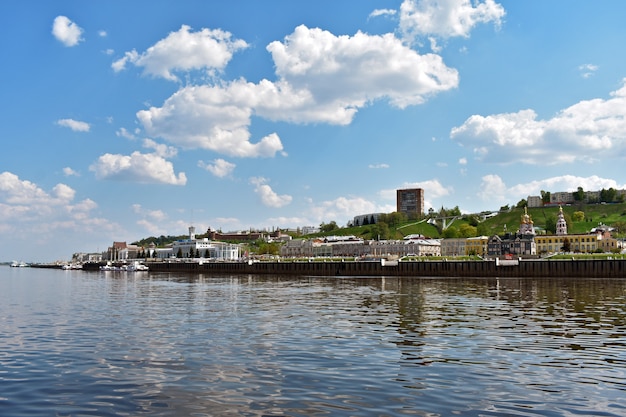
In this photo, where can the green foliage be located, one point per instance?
(578, 216)
(328, 227)
(450, 233)
(579, 195)
(467, 230)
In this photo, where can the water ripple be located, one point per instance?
(77, 343)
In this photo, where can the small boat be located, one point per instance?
(16, 264)
(134, 267)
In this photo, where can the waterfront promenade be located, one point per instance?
(615, 268)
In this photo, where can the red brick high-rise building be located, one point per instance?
(410, 202)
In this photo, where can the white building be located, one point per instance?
(199, 248)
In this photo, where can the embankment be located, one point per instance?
(523, 268)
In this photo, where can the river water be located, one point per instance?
(76, 343)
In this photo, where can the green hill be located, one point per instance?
(613, 215)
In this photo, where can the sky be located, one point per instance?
(123, 120)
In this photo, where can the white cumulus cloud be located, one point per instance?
(323, 78)
(587, 131)
(218, 167)
(75, 125)
(137, 167)
(26, 208)
(346, 72)
(66, 31)
(184, 50)
(447, 18)
(268, 196)
(208, 117)
(496, 191)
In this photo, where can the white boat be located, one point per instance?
(16, 264)
(134, 267)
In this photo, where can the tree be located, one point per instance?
(179, 254)
(578, 216)
(620, 227)
(551, 224)
(608, 196)
(450, 233)
(579, 195)
(380, 230)
(522, 203)
(328, 227)
(545, 197)
(466, 230)
(567, 247)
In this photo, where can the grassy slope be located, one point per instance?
(607, 214)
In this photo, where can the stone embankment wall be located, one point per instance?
(524, 268)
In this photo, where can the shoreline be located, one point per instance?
(574, 268)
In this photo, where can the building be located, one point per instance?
(559, 243)
(410, 202)
(365, 219)
(534, 201)
(526, 227)
(476, 245)
(454, 247)
(198, 248)
(351, 246)
(511, 244)
(561, 224)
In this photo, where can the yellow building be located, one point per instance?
(476, 245)
(577, 243)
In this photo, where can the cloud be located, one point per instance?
(382, 12)
(210, 117)
(184, 50)
(341, 209)
(587, 70)
(343, 73)
(27, 210)
(587, 131)
(66, 31)
(494, 189)
(268, 197)
(123, 132)
(137, 167)
(69, 172)
(219, 167)
(75, 125)
(160, 149)
(446, 18)
(323, 78)
(378, 166)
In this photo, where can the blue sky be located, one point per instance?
(122, 120)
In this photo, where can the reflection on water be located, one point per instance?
(98, 344)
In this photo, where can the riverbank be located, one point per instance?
(573, 268)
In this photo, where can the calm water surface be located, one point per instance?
(75, 343)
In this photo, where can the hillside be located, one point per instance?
(594, 214)
(608, 214)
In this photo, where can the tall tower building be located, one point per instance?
(410, 202)
(561, 224)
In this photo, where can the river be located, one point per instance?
(75, 343)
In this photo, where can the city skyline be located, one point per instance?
(127, 120)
